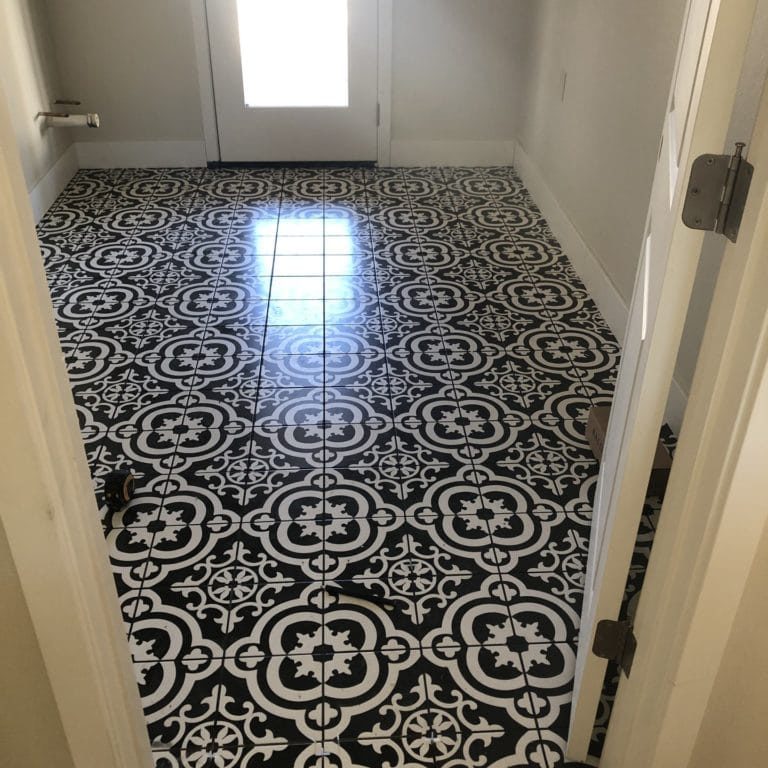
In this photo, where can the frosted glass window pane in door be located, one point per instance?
(294, 52)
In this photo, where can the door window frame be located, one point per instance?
(198, 9)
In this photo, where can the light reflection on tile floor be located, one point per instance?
(353, 400)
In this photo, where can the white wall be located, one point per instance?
(133, 63)
(29, 80)
(596, 147)
(457, 79)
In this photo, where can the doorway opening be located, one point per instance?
(295, 81)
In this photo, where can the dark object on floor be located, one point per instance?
(359, 594)
(118, 489)
(597, 427)
(662, 464)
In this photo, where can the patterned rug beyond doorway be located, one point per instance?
(354, 403)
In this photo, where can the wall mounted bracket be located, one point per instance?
(717, 193)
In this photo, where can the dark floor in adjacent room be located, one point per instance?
(354, 402)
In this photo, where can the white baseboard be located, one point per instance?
(45, 192)
(605, 294)
(141, 154)
(470, 153)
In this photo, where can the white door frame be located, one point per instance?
(385, 83)
(646, 373)
(208, 99)
(47, 506)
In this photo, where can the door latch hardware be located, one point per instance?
(717, 193)
(615, 641)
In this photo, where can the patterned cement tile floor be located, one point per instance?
(354, 403)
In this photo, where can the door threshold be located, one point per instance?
(293, 164)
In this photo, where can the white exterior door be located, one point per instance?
(710, 57)
(295, 80)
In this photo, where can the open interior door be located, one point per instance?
(710, 56)
(702, 619)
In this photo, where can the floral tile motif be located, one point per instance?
(353, 402)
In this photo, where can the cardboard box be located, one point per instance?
(597, 427)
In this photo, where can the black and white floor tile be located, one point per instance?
(353, 400)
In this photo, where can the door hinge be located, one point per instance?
(378, 115)
(615, 641)
(717, 193)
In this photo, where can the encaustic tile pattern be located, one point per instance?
(353, 400)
